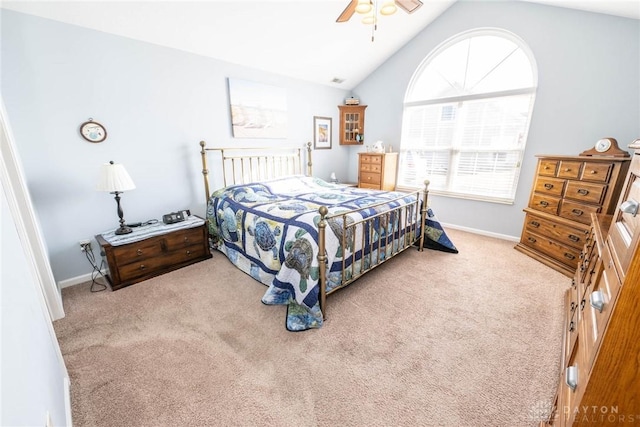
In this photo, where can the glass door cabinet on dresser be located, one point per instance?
(351, 124)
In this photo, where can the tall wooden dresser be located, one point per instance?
(377, 171)
(600, 376)
(567, 189)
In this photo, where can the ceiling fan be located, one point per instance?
(408, 6)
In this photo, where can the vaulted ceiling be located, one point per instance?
(299, 39)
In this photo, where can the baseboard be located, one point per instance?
(76, 280)
(87, 277)
(481, 232)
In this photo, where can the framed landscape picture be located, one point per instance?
(257, 110)
(321, 133)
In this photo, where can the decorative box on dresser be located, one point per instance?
(145, 256)
(600, 376)
(567, 189)
(377, 171)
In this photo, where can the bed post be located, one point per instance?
(423, 214)
(322, 261)
(309, 162)
(205, 172)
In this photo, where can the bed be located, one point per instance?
(303, 237)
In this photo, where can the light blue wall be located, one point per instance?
(589, 88)
(156, 103)
(31, 367)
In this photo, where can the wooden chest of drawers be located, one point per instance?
(566, 191)
(140, 260)
(600, 372)
(377, 171)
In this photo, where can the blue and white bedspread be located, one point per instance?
(269, 230)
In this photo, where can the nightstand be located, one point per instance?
(153, 250)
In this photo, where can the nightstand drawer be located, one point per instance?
(138, 251)
(181, 240)
(151, 265)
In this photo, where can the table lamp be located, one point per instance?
(115, 179)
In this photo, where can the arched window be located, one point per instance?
(466, 117)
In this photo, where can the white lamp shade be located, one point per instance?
(114, 177)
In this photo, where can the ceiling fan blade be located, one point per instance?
(347, 13)
(409, 6)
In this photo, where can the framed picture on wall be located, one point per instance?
(321, 133)
(257, 110)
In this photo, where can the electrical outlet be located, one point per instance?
(84, 244)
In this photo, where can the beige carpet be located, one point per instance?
(430, 338)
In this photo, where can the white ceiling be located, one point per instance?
(299, 39)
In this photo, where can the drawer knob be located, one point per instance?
(573, 305)
(574, 238)
(576, 212)
(582, 304)
(544, 203)
(139, 251)
(571, 377)
(188, 253)
(572, 326)
(567, 170)
(186, 239)
(548, 186)
(630, 207)
(583, 192)
(567, 255)
(596, 299)
(531, 239)
(142, 266)
(535, 224)
(593, 172)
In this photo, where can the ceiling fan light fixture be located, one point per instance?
(369, 18)
(364, 6)
(388, 8)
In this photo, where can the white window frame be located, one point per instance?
(454, 150)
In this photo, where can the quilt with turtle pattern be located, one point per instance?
(269, 230)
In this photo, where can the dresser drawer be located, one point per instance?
(545, 203)
(547, 167)
(569, 169)
(578, 211)
(370, 167)
(150, 266)
(570, 236)
(596, 172)
(370, 178)
(371, 158)
(564, 254)
(550, 186)
(585, 192)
